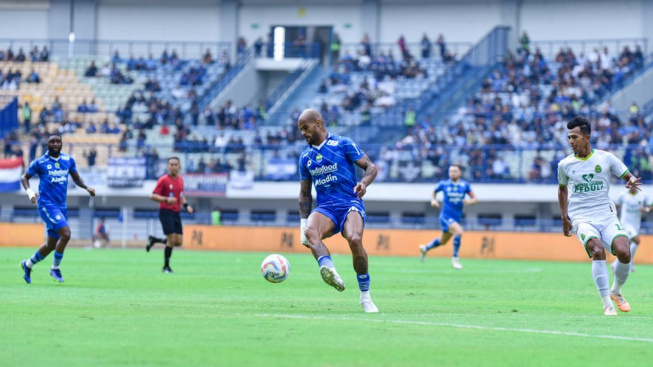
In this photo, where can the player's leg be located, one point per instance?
(634, 245)
(600, 273)
(353, 233)
(590, 238)
(151, 240)
(457, 231)
(40, 254)
(64, 237)
(173, 239)
(320, 225)
(436, 242)
(620, 247)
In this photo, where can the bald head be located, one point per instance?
(310, 115)
(311, 125)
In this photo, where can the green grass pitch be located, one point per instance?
(116, 308)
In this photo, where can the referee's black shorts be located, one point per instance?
(170, 221)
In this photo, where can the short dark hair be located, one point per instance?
(460, 167)
(582, 122)
(171, 158)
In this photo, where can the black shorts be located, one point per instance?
(170, 222)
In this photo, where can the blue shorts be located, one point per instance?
(54, 217)
(445, 222)
(338, 213)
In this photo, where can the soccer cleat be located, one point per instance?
(56, 275)
(422, 253)
(609, 311)
(150, 243)
(166, 269)
(368, 305)
(621, 302)
(456, 263)
(331, 277)
(28, 272)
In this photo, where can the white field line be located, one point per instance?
(463, 326)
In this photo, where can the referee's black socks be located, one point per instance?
(168, 253)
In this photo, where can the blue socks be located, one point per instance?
(34, 259)
(435, 243)
(456, 245)
(363, 282)
(57, 259)
(325, 261)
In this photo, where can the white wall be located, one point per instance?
(458, 22)
(167, 22)
(317, 15)
(581, 20)
(24, 23)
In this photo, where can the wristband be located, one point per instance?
(30, 193)
(186, 206)
(303, 223)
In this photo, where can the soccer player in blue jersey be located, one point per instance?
(454, 189)
(329, 164)
(53, 169)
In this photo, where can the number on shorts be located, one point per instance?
(618, 227)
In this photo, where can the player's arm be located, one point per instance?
(163, 199)
(305, 205)
(185, 204)
(79, 182)
(369, 176)
(24, 180)
(472, 199)
(563, 201)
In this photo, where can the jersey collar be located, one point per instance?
(51, 157)
(318, 147)
(586, 158)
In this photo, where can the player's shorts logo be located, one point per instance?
(598, 169)
(582, 235)
(57, 217)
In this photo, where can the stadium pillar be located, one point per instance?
(647, 15)
(511, 17)
(229, 25)
(370, 21)
(84, 24)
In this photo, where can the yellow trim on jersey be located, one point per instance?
(584, 159)
(623, 174)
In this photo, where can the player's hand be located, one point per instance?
(91, 191)
(634, 182)
(171, 200)
(645, 209)
(360, 189)
(35, 198)
(190, 209)
(566, 227)
(435, 204)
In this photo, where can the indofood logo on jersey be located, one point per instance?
(588, 185)
(325, 170)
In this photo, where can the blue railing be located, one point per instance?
(62, 48)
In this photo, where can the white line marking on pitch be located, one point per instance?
(462, 326)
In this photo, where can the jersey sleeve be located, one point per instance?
(33, 168)
(439, 187)
(158, 189)
(469, 188)
(563, 179)
(73, 166)
(617, 167)
(304, 174)
(352, 152)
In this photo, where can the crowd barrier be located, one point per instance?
(396, 242)
(21, 234)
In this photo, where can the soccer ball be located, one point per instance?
(275, 268)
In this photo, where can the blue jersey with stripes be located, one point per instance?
(53, 175)
(331, 168)
(454, 193)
